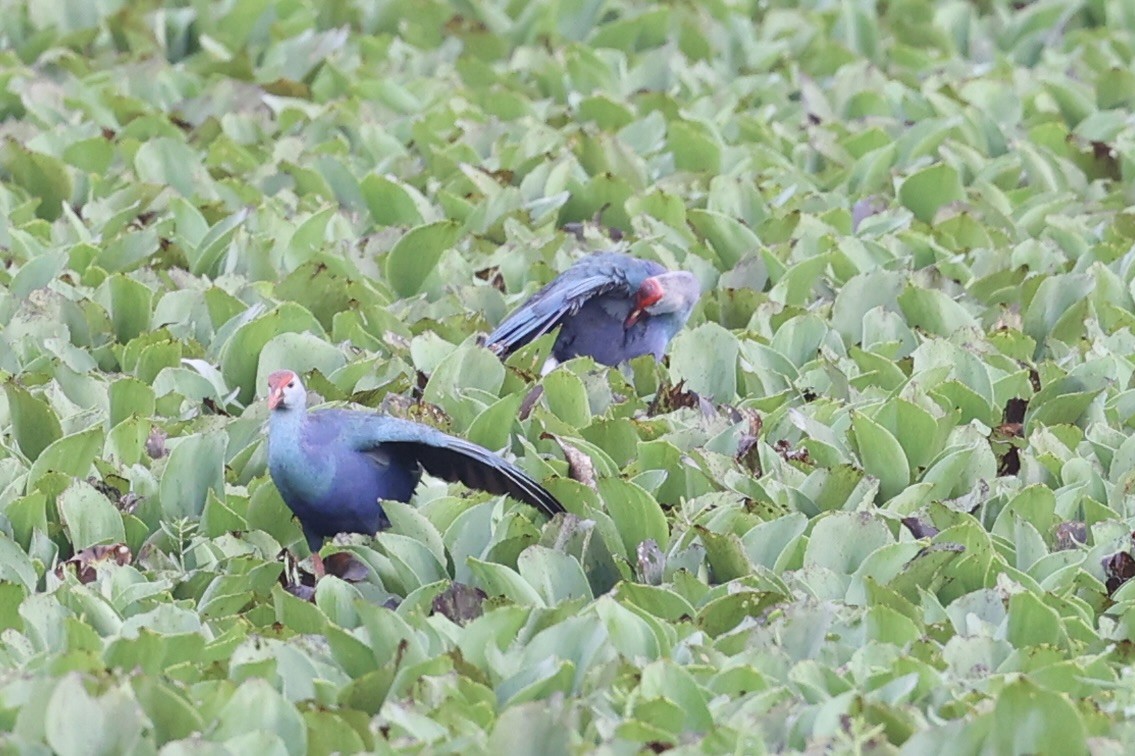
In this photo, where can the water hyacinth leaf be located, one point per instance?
(929, 189)
(492, 428)
(412, 562)
(37, 273)
(394, 203)
(631, 635)
(170, 712)
(556, 576)
(240, 356)
(1055, 297)
(89, 517)
(1030, 719)
(204, 257)
(299, 352)
(41, 176)
(635, 512)
(1032, 623)
(841, 541)
(130, 397)
(329, 732)
(196, 466)
(881, 455)
(34, 424)
(409, 521)
(326, 286)
(417, 253)
(764, 543)
(131, 306)
(933, 311)
(916, 430)
(537, 681)
(169, 162)
(530, 728)
(75, 722)
(567, 398)
(498, 580)
(465, 366)
(861, 294)
(257, 707)
(1062, 402)
(70, 455)
(705, 358)
(665, 679)
(730, 239)
(17, 570)
(661, 602)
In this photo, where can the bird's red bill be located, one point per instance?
(648, 293)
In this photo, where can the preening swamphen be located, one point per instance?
(332, 466)
(609, 306)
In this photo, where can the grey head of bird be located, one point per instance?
(286, 391)
(675, 291)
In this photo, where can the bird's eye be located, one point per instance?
(291, 384)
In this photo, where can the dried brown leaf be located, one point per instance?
(344, 565)
(87, 561)
(461, 603)
(580, 466)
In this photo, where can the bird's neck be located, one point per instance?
(286, 424)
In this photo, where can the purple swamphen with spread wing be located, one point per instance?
(609, 306)
(332, 466)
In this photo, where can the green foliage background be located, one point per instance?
(896, 515)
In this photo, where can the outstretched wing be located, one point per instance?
(592, 276)
(451, 458)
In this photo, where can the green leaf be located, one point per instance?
(169, 162)
(131, 306)
(89, 517)
(195, 467)
(256, 707)
(416, 255)
(240, 355)
(665, 679)
(492, 428)
(37, 273)
(556, 576)
(635, 512)
(927, 190)
(394, 203)
(841, 541)
(881, 455)
(408, 521)
(1030, 719)
(301, 353)
(567, 398)
(528, 729)
(706, 359)
(130, 397)
(730, 239)
(498, 580)
(41, 176)
(204, 257)
(34, 424)
(1032, 623)
(77, 723)
(172, 715)
(933, 311)
(71, 455)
